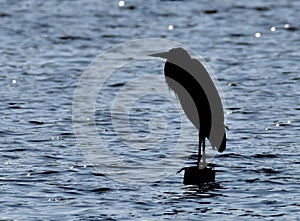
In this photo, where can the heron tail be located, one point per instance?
(223, 144)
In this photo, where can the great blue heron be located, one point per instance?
(198, 96)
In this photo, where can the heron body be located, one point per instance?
(197, 95)
(190, 89)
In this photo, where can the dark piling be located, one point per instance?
(195, 176)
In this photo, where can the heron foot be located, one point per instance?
(202, 165)
(183, 168)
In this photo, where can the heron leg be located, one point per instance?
(203, 151)
(199, 151)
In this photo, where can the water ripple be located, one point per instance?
(46, 45)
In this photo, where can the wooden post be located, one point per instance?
(195, 176)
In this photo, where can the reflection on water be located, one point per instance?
(46, 46)
(207, 190)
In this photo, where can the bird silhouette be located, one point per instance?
(198, 96)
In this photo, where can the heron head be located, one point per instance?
(173, 54)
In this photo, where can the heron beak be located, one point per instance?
(160, 55)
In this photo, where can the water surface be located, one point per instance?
(46, 46)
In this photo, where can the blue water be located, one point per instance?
(45, 47)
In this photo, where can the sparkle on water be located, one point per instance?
(257, 35)
(121, 3)
(170, 27)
